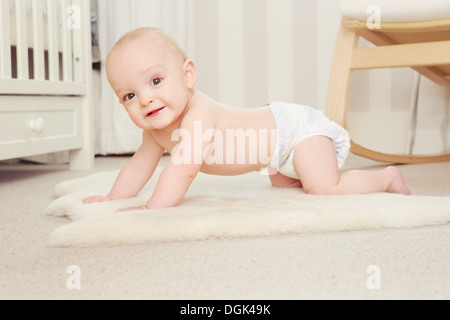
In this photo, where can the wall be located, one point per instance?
(255, 51)
(251, 52)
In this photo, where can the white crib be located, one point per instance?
(45, 79)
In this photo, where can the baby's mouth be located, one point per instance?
(154, 113)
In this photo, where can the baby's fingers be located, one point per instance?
(95, 199)
(132, 209)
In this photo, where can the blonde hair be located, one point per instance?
(164, 36)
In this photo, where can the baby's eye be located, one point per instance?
(129, 97)
(156, 81)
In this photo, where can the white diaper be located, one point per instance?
(296, 123)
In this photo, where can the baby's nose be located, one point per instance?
(146, 101)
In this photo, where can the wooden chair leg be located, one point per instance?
(400, 159)
(338, 99)
(341, 76)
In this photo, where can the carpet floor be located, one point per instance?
(386, 263)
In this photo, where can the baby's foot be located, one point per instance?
(397, 184)
(281, 181)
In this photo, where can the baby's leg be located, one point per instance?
(279, 180)
(316, 165)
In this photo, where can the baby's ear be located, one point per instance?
(190, 74)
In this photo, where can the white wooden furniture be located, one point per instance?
(413, 33)
(45, 79)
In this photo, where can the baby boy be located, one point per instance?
(296, 145)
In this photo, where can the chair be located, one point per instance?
(414, 33)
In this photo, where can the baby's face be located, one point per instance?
(151, 80)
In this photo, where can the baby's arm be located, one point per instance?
(135, 174)
(172, 185)
(178, 175)
(174, 180)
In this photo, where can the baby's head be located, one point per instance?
(160, 39)
(149, 71)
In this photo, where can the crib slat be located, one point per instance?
(53, 56)
(5, 41)
(22, 39)
(67, 42)
(79, 40)
(38, 40)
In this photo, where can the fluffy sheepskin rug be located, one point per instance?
(228, 207)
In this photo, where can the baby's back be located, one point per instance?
(244, 139)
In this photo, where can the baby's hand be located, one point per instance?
(95, 199)
(133, 209)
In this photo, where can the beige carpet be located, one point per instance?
(229, 207)
(413, 262)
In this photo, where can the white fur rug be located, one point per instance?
(229, 207)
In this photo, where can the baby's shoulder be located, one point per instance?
(201, 108)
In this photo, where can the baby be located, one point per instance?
(295, 145)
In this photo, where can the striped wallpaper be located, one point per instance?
(254, 51)
(251, 52)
